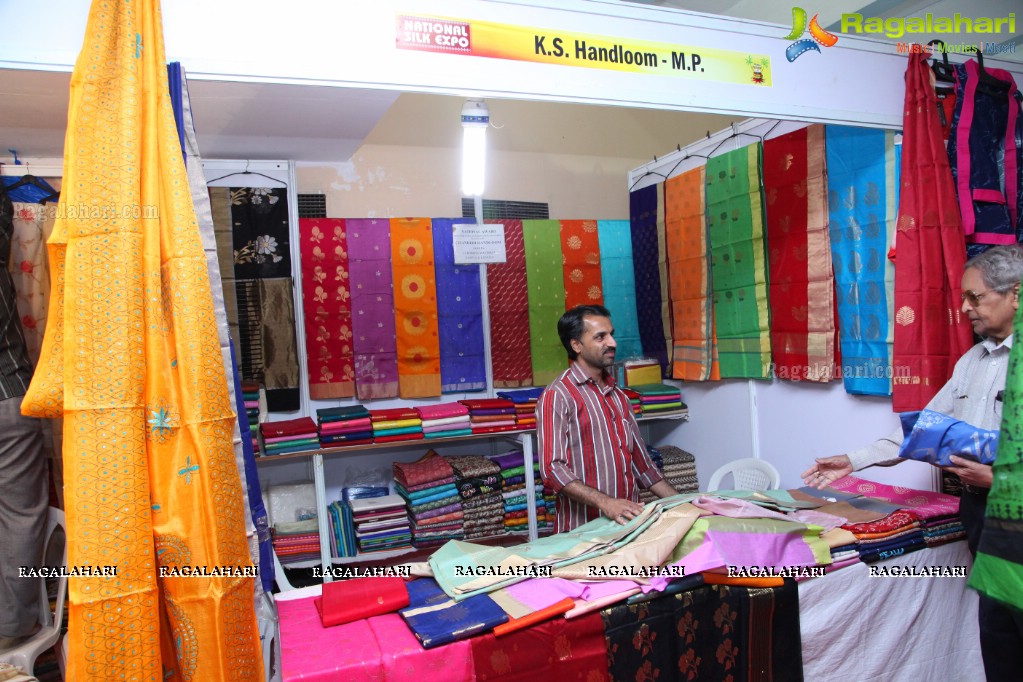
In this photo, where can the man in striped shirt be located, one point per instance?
(591, 450)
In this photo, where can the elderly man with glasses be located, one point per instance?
(991, 284)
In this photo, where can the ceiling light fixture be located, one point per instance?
(475, 120)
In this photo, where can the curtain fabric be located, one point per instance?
(415, 307)
(735, 223)
(463, 366)
(862, 180)
(375, 339)
(580, 249)
(619, 281)
(327, 307)
(930, 331)
(694, 355)
(263, 286)
(146, 410)
(803, 325)
(646, 215)
(508, 297)
(546, 290)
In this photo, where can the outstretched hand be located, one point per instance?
(827, 470)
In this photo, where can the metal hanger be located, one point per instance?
(247, 172)
(943, 71)
(29, 180)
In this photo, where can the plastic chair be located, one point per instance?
(748, 474)
(24, 655)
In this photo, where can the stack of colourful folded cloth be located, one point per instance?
(381, 523)
(491, 415)
(942, 529)
(250, 394)
(678, 468)
(525, 405)
(342, 530)
(660, 399)
(445, 419)
(340, 426)
(431, 498)
(290, 435)
(516, 508)
(634, 400)
(896, 534)
(479, 484)
(550, 500)
(400, 423)
(297, 541)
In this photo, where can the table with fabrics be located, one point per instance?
(844, 625)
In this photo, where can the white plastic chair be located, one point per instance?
(748, 474)
(24, 655)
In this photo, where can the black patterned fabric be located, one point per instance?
(714, 632)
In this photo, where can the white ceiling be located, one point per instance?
(310, 123)
(315, 123)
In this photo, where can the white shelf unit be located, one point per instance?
(523, 437)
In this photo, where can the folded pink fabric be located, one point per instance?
(441, 411)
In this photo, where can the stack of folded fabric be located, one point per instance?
(525, 405)
(634, 400)
(896, 534)
(550, 500)
(445, 419)
(942, 529)
(381, 523)
(431, 498)
(678, 468)
(491, 415)
(342, 530)
(290, 435)
(479, 484)
(296, 541)
(250, 394)
(658, 399)
(516, 508)
(400, 423)
(339, 426)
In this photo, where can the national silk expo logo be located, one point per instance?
(803, 45)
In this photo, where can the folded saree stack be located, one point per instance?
(398, 424)
(341, 426)
(290, 435)
(480, 485)
(431, 499)
(444, 420)
(491, 415)
(525, 405)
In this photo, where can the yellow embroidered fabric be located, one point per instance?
(131, 360)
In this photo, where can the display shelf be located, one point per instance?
(524, 437)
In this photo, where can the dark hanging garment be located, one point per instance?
(984, 151)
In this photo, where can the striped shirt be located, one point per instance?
(588, 433)
(15, 367)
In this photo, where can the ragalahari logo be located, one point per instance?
(819, 35)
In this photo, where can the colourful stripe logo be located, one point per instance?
(804, 45)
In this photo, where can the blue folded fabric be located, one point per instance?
(930, 436)
(435, 618)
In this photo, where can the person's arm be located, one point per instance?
(884, 451)
(552, 422)
(663, 489)
(612, 507)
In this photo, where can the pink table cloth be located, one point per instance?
(381, 648)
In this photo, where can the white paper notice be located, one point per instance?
(478, 243)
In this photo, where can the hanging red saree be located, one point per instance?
(930, 332)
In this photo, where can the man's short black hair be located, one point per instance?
(570, 326)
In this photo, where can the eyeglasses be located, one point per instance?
(974, 296)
